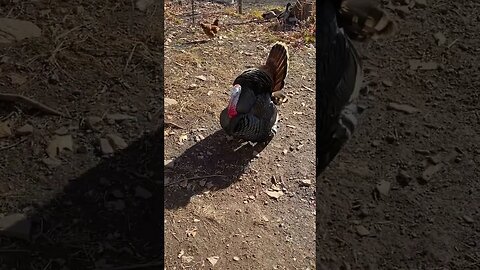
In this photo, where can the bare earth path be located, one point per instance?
(217, 208)
(408, 222)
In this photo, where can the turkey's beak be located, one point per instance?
(234, 97)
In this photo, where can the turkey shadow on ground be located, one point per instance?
(109, 216)
(213, 163)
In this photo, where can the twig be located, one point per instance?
(197, 41)
(451, 44)
(195, 178)
(32, 103)
(135, 266)
(13, 145)
(129, 58)
(171, 124)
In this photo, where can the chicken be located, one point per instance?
(283, 17)
(251, 114)
(210, 30)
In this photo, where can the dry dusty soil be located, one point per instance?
(74, 203)
(220, 205)
(405, 192)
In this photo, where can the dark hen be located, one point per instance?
(251, 114)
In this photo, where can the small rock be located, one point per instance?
(274, 194)
(118, 117)
(169, 102)
(213, 260)
(362, 231)
(142, 192)
(387, 83)
(420, 3)
(16, 225)
(58, 144)
(235, 258)
(14, 30)
(92, 121)
(305, 182)
(24, 130)
(5, 130)
(17, 78)
(383, 188)
(440, 38)
(468, 219)
(376, 143)
(363, 212)
(82, 149)
(403, 178)
(52, 162)
(390, 139)
(402, 108)
(142, 5)
(430, 171)
(105, 147)
(168, 163)
(435, 159)
(192, 86)
(201, 77)
(116, 141)
(187, 259)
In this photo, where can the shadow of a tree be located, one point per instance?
(112, 215)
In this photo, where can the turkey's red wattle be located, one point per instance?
(232, 111)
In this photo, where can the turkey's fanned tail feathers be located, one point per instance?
(277, 65)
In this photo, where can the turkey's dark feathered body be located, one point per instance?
(256, 112)
(339, 76)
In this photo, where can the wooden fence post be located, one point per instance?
(240, 6)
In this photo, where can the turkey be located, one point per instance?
(251, 114)
(339, 71)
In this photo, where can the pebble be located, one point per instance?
(61, 131)
(118, 194)
(403, 178)
(24, 130)
(387, 83)
(236, 258)
(429, 172)
(92, 121)
(169, 102)
(402, 108)
(118, 117)
(362, 231)
(468, 219)
(52, 162)
(105, 147)
(420, 3)
(383, 187)
(116, 141)
(440, 38)
(305, 182)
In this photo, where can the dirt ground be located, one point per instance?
(217, 211)
(425, 211)
(99, 63)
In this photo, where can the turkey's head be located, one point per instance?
(234, 97)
